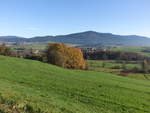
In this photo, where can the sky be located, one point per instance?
(29, 18)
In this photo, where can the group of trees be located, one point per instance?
(73, 58)
(4, 50)
(144, 67)
(27, 53)
(143, 61)
(64, 56)
(57, 54)
(114, 55)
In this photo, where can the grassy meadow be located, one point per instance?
(133, 49)
(51, 89)
(31, 45)
(116, 67)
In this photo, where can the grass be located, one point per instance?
(57, 90)
(36, 46)
(133, 49)
(31, 45)
(116, 67)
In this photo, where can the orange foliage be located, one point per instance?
(62, 55)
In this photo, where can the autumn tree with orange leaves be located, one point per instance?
(64, 56)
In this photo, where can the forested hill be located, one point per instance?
(86, 38)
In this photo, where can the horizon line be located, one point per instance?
(76, 33)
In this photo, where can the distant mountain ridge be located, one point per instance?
(86, 38)
(12, 39)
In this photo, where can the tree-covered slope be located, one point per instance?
(89, 38)
(59, 90)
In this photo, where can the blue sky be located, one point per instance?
(30, 18)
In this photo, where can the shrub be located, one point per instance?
(103, 64)
(2, 111)
(132, 70)
(29, 109)
(4, 50)
(116, 67)
(33, 57)
(145, 66)
(64, 56)
(124, 65)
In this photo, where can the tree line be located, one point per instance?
(114, 55)
(57, 53)
(73, 58)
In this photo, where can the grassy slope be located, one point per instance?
(66, 91)
(97, 65)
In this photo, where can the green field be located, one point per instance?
(58, 90)
(36, 46)
(116, 67)
(31, 45)
(133, 49)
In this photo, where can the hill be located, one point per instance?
(59, 90)
(12, 39)
(89, 38)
